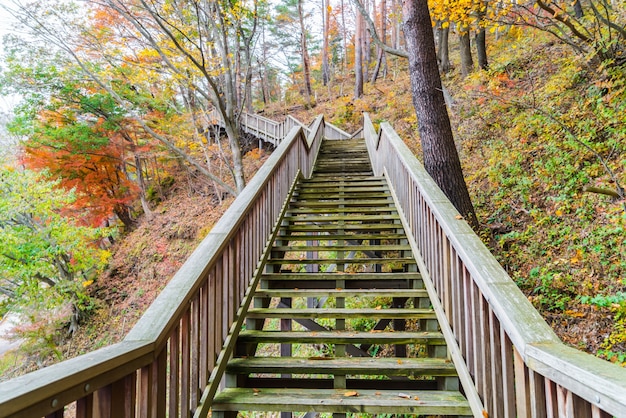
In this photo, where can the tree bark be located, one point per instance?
(325, 24)
(441, 159)
(443, 49)
(383, 37)
(305, 56)
(481, 49)
(358, 57)
(467, 64)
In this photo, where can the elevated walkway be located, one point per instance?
(327, 260)
(351, 327)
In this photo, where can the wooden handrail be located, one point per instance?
(518, 365)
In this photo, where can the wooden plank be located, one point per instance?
(337, 218)
(332, 228)
(342, 275)
(312, 313)
(360, 260)
(342, 337)
(331, 400)
(361, 248)
(380, 202)
(336, 237)
(344, 365)
(363, 293)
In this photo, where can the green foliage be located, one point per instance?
(550, 127)
(46, 261)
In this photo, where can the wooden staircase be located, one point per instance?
(341, 321)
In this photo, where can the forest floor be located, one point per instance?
(565, 248)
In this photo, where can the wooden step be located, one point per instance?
(369, 181)
(342, 401)
(336, 237)
(358, 247)
(328, 261)
(342, 293)
(381, 209)
(330, 228)
(341, 337)
(315, 185)
(341, 276)
(342, 313)
(364, 366)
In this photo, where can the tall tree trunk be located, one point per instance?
(467, 64)
(326, 28)
(443, 49)
(441, 159)
(481, 49)
(345, 40)
(305, 56)
(383, 37)
(367, 53)
(358, 57)
(395, 33)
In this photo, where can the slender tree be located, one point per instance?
(358, 57)
(325, 41)
(306, 61)
(441, 159)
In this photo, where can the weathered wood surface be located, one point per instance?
(344, 365)
(386, 313)
(341, 276)
(334, 400)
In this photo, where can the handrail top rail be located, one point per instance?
(23, 391)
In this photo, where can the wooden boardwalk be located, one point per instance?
(341, 321)
(386, 301)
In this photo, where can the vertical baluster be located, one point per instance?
(552, 409)
(508, 375)
(485, 352)
(185, 407)
(84, 407)
(212, 307)
(537, 394)
(145, 393)
(159, 386)
(194, 354)
(565, 402)
(522, 395)
(497, 371)
(204, 337)
(174, 375)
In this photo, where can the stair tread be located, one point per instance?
(343, 337)
(342, 400)
(342, 276)
(383, 366)
(382, 313)
(335, 237)
(345, 293)
(401, 260)
(330, 247)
